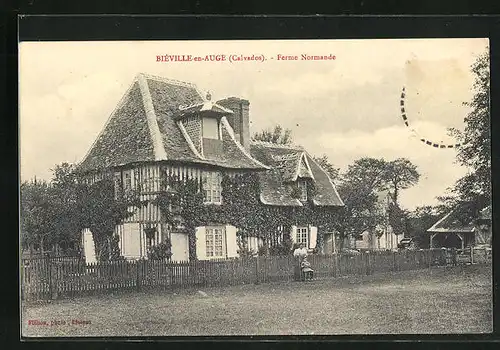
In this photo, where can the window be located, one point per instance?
(215, 242)
(118, 185)
(211, 128)
(127, 181)
(148, 183)
(302, 236)
(303, 189)
(212, 187)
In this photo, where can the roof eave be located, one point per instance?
(450, 230)
(315, 202)
(297, 202)
(330, 180)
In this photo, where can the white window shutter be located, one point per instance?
(201, 244)
(313, 236)
(293, 234)
(231, 243)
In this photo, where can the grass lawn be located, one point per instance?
(443, 300)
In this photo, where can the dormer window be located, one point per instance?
(211, 128)
(302, 184)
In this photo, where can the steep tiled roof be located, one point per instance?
(125, 137)
(285, 162)
(142, 128)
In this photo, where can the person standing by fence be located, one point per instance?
(299, 254)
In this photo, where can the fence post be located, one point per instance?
(53, 281)
(472, 254)
(257, 268)
(454, 257)
(138, 265)
(336, 267)
(22, 280)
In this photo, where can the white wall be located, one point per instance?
(88, 246)
(180, 246)
(389, 240)
(130, 242)
(254, 243)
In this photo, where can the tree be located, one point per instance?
(420, 220)
(400, 174)
(475, 150)
(54, 214)
(100, 209)
(367, 174)
(277, 135)
(397, 218)
(358, 189)
(64, 190)
(36, 216)
(472, 192)
(324, 162)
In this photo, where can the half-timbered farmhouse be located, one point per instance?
(168, 126)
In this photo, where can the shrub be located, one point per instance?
(284, 248)
(160, 251)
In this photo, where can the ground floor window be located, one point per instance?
(215, 242)
(303, 236)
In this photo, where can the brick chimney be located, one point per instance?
(240, 120)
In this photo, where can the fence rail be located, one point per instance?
(51, 278)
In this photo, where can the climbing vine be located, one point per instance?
(182, 205)
(100, 210)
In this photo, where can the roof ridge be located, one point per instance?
(303, 158)
(168, 80)
(276, 145)
(154, 130)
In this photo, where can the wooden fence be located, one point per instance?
(51, 278)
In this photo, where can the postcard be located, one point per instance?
(255, 187)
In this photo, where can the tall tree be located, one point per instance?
(358, 189)
(64, 200)
(276, 135)
(472, 192)
(367, 174)
(360, 186)
(324, 162)
(36, 215)
(420, 220)
(400, 174)
(54, 214)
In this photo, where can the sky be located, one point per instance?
(345, 108)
